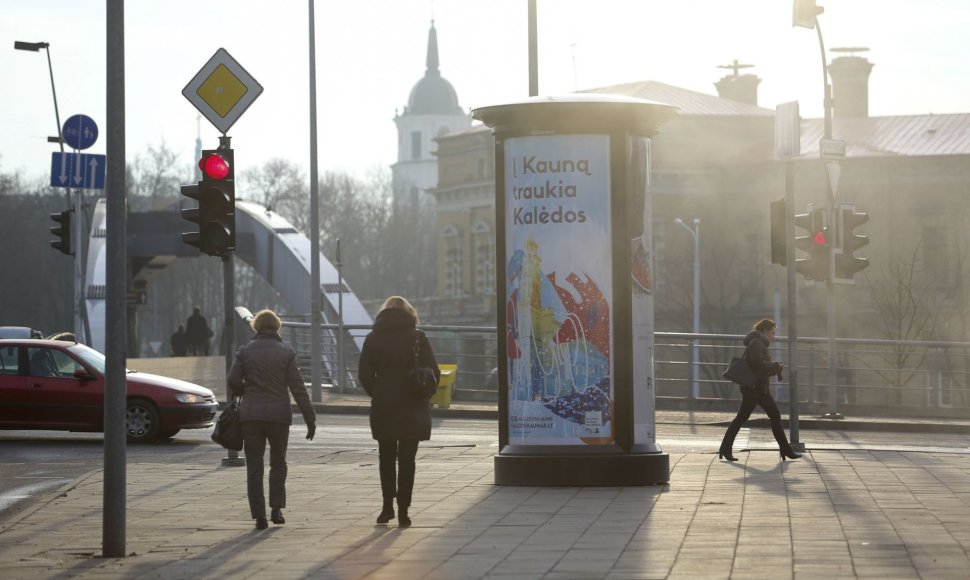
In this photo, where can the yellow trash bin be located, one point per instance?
(447, 381)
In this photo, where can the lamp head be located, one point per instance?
(31, 46)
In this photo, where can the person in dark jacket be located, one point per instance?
(179, 342)
(197, 333)
(758, 356)
(399, 418)
(264, 374)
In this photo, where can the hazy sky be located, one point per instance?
(371, 52)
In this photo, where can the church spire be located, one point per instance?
(432, 52)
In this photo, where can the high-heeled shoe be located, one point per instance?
(261, 524)
(276, 516)
(788, 454)
(722, 454)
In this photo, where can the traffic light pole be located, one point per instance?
(228, 337)
(796, 444)
(830, 282)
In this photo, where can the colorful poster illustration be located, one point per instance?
(559, 290)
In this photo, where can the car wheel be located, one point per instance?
(142, 422)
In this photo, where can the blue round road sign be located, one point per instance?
(80, 132)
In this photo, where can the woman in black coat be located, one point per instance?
(399, 418)
(265, 374)
(759, 359)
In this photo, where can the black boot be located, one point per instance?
(276, 515)
(387, 513)
(403, 521)
(724, 452)
(784, 447)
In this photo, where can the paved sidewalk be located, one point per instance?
(830, 514)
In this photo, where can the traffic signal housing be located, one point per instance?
(815, 243)
(63, 232)
(216, 213)
(804, 13)
(847, 264)
(779, 232)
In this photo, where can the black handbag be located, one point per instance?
(421, 380)
(739, 371)
(228, 429)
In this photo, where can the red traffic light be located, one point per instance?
(214, 166)
(819, 238)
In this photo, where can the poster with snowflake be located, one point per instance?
(558, 290)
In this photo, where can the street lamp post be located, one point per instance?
(35, 47)
(805, 14)
(695, 233)
(81, 330)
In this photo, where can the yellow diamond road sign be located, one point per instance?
(222, 90)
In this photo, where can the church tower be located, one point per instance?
(432, 110)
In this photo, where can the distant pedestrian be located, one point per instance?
(265, 374)
(398, 418)
(759, 359)
(179, 342)
(198, 333)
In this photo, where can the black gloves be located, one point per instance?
(311, 430)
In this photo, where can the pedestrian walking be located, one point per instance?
(179, 342)
(759, 359)
(399, 418)
(264, 374)
(198, 333)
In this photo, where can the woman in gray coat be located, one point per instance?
(265, 374)
(398, 417)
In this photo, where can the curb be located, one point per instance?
(811, 423)
(44, 499)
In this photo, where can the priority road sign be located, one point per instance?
(78, 170)
(222, 90)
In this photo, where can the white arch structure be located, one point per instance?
(278, 251)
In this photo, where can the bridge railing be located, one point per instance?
(882, 377)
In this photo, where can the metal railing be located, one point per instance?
(884, 377)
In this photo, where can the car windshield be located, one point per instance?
(89, 356)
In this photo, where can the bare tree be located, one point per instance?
(910, 303)
(280, 186)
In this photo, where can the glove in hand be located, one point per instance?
(311, 430)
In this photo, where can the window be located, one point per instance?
(484, 259)
(9, 360)
(49, 362)
(935, 255)
(415, 144)
(452, 273)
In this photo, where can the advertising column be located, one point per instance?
(575, 291)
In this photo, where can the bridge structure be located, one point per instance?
(265, 240)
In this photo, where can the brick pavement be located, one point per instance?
(831, 514)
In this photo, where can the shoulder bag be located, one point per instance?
(421, 379)
(228, 429)
(739, 371)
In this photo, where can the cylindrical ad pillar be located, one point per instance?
(575, 291)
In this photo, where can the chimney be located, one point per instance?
(738, 87)
(850, 83)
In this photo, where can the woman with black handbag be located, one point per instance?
(265, 374)
(400, 415)
(758, 356)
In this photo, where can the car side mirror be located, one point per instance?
(83, 374)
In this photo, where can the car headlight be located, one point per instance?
(189, 398)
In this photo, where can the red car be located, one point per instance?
(58, 385)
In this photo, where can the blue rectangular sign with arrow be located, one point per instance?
(78, 170)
